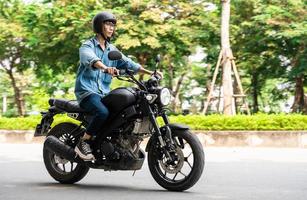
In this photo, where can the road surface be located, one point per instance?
(230, 173)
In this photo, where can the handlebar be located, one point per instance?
(153, 81)
(121, 72)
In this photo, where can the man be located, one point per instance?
(95, 75)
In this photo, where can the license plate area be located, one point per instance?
(44, 126)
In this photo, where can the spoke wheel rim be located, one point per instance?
(61, 165)
(184, 166)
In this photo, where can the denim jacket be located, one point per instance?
(91, 79)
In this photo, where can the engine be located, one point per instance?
(142, 127)
(129, 139)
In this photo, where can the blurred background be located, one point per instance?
(39, 41)
(39, 47)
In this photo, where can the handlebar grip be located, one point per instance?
(106, 71)
(122, 72)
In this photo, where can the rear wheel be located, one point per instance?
(187, 168)
(60, 169)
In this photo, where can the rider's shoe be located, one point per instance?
(84, 150)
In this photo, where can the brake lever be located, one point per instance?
(122, 73)
(126, 78)
(156, 75)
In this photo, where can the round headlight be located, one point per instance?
(165, 96)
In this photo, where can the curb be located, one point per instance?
(295, 139)
(19, 136)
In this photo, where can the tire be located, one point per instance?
(78, 171)
(154, 163)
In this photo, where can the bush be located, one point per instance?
(243, 122)
(30, 122)
(196, 122)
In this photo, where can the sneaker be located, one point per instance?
(84, 151)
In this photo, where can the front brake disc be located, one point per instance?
(176, 167)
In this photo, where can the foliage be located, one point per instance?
(14, 51)
(57, 30)
(268, 39)
(241, 122)
(196, 122)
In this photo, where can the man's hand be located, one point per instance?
(112, 70)
(160, 74)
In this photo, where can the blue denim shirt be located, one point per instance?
(91, 79)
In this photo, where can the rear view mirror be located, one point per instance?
(158, 58)
(114, 55)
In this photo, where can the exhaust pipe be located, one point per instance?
(58, 147)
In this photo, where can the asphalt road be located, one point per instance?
(230, 173)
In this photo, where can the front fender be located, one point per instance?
(177, 126)
(173, 127)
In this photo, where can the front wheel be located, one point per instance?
(187, 168)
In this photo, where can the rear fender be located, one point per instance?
(47, 118)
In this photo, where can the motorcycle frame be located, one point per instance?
(141, 109)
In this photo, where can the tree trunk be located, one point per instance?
(142, 58)
(219, 100)
(226, 59)
(298, 104)
(254, 86)
(171, 87)
(305, 105)
(19, 100)
(176, 92)
(299, 97)
(171, 77)
(179, 83)
(208, 84)
(4, 103)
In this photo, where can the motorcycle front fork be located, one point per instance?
(167, 141)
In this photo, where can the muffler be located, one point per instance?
(58, 147)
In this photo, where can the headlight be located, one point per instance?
(165, 96)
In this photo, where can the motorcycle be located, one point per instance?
(175, 155)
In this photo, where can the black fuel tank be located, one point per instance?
(119, 99)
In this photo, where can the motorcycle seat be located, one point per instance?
(70, 106)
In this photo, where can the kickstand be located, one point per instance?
(133, 172)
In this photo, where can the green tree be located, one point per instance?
(56, 30)
(14, 58)
(145, 29)
(269, 41)
(286, 25)
(170, 28)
